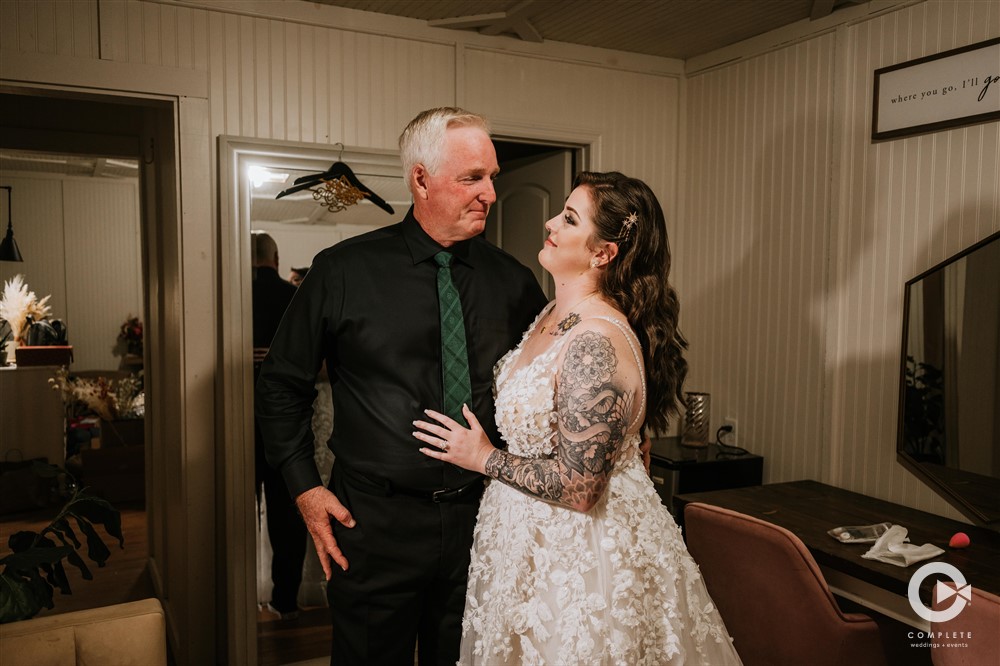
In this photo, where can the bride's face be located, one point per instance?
(567, 249)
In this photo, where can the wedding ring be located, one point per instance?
(444, 446)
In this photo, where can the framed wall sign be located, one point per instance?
(941, 91)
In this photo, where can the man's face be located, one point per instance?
(460, 193)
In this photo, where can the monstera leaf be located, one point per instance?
(34, 568)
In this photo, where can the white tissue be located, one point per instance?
(892, 549)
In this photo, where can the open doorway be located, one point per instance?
(76, 176)
(534, 182)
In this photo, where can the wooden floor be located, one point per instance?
(281, 642)
(125, 578)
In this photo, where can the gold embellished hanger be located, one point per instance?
(337, 188)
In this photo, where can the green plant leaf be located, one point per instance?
(22, 540)
(96, 550)
(55, 575)
(21, 597)
(53, 571)
(62, 527)
(99, 511)
(35, 567)
(33, 559)
(17, 599)
(75, 559)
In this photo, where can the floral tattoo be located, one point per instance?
(592, 417)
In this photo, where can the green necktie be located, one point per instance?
(454, 352)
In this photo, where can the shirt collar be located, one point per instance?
(422, 247)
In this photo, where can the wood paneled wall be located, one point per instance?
(81, 245)
(798, 233)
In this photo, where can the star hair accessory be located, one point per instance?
(627, 224)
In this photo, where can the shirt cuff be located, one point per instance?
(300, 476)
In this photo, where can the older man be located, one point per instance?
(409, 317)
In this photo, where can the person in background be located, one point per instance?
(297, 275)
(285, 529)
(576, 560)
(406, 317)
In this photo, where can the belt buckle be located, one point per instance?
(441, 495)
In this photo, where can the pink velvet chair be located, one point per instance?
(772, 595)
(973, 637)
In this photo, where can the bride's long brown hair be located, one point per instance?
(627, 212)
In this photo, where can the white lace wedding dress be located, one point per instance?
(550, 585)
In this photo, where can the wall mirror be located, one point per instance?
(252, 175)
(949, 416)
(302, 223)
(535, 180)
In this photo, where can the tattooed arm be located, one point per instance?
(594, 404)
(594, 408)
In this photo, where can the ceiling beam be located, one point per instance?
(473, 21)
(821, 8)
(513, 21)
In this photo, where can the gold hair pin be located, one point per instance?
(627, 225)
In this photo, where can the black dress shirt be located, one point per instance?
(369, 307)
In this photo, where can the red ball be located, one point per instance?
(959, 540)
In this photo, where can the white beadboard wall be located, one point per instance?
(81, 245)
(904, 206)
(751, 245)
(797, 234)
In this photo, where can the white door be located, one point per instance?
(530, 191)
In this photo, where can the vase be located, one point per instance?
(696, 419)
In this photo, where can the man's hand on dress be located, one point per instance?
(645, 448)
(469, 448)
(316, 506)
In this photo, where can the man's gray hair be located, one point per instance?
(423, 139)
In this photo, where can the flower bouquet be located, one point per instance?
(110, 399)
(130, 337)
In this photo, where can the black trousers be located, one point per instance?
(286, 531)
(405, 585)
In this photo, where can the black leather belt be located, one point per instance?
(387, 488)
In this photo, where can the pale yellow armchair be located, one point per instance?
(126, 634)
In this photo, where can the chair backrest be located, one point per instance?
(972, 637)
(128, 633)
(772, 595)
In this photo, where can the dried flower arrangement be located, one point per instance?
(111, 399)
(18, 303)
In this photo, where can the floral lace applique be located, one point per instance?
(550, 585)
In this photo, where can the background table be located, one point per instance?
(809, 509)
(681, 469)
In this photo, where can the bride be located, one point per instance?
(575, 559)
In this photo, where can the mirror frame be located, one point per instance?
(948, 485)
(234, 458)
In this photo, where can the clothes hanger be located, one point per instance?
(337, 171)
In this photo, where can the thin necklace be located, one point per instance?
(570, 310)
